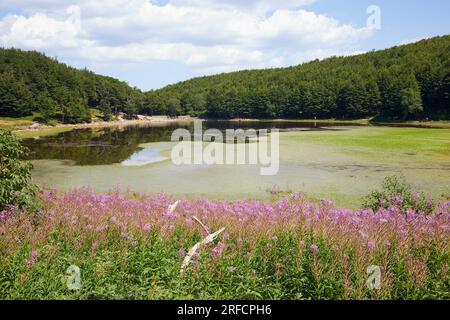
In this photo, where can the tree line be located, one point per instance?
(400, 83)
(31, 83)
(404, 82)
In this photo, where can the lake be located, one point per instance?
(342, 163)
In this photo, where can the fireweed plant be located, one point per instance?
(131, 246)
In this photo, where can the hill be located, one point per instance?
(404, 82)
(31, 83)
(401, 83)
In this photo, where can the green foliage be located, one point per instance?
(15, 96)
(406, 82)
(105, 108)
(411, 101)
(173, 107)
(150, 270)
(397, 192)
(15, 186)
(31, 82)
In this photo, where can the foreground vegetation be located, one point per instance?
(133, 246)
(15, 186)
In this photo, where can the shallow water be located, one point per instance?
(139, 158)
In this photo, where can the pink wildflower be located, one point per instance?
(371, 245)
(398, 200)
(218, 250)
(33, 258)
(327, 202)
(226, 237)
(274, 190)
(362, 234)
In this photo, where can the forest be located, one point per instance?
(401, 83)
(407, 82)
(31, 83)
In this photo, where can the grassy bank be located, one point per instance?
(25, 128)
(133, 247)
(15, 123)
(378, 141)
(443, 124)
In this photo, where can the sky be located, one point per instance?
(153, 43)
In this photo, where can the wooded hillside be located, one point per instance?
(405, 82)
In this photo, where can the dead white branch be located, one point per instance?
(200, 223)
(210, 238)
(173, 207)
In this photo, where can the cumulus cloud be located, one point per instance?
(206, 35)
(254, 5)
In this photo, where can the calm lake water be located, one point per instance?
(139, 158)
(112, 146)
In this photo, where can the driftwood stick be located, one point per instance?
(201, 223)
(210, 238)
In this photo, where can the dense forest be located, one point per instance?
(400, 83)
(31, 83)
(405, 82)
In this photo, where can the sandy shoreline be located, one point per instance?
(104, 124)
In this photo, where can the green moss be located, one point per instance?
(47, 132)
(373, 140)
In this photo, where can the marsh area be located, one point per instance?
(340, 162)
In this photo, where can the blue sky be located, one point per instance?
(150, 44)
(402, 20)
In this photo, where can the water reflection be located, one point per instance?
(144, 157)
(122, 145)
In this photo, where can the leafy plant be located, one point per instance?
(15, 175)
(397, 192)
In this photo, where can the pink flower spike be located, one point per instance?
(314, 249)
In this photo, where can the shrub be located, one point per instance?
(397, 192)
(15, 175)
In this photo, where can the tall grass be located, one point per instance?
(132, 247)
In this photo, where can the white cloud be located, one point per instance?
(254, 5)
(205, 35)
(237, 4)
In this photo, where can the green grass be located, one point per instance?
(358, 158)
(433, 143)
(443, 124)
(41, 133)
(151, 270)
(11, 123)
(14, 123)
